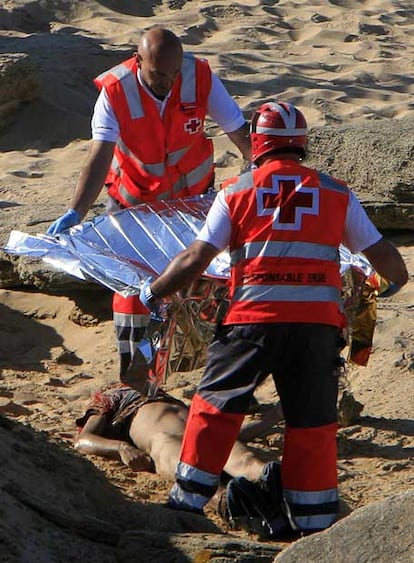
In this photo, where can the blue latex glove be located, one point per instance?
(149, 301)
(69, 219)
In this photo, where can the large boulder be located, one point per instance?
(376, 159)
(380, 532)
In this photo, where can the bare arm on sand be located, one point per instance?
(91, 441)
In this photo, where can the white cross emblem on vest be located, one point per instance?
(193, 125)
(287, 201)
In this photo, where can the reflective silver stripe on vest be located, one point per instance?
(125, 195)
(115, 166)
(200, 172)
(180, 184)
(281, 132)
(287, 293)
(123, 192)
(188, 84)
(193, 177)
(174, 157)
(184, 182)
(244, 182)
(156, 169)
(119, 71)
(129, 85)
(330, 183)
(277, 249)
(101, 77)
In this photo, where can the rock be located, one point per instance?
(53, 73)
(19, 83)
(319, 18)
(380, 532)
(81, 318)
(141, 546)
(39, 488)
(27, 174)
(349, 408)
(27, 16)
(69, 358)
(24, 271)
(375, 158)
(10, 408)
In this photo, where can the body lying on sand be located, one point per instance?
(146, 434)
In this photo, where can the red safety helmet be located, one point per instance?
(277, 125)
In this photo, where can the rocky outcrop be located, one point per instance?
(380, 532)
(19, 83)
(142, 546)
(376, 159)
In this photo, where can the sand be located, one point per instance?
(338, 61)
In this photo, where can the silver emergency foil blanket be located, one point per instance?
(120, 250)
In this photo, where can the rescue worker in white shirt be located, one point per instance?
(148, 143)
(283, 223)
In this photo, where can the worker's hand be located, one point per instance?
(148, 300)
(69, 219)
(135, 459)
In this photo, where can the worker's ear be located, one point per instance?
(138, 58)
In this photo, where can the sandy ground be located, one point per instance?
(337, 61)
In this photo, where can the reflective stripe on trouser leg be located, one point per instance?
(208, 440)
(193, 488)
(130, 320)
(309, 475)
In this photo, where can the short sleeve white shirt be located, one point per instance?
(221, 107)
(359, 232)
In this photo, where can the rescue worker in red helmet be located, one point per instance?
(283, 223)
(149, 144)
(278, 126)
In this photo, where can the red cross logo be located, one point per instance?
(287, 200)
(193, 125)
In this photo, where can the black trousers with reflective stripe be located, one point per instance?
(302, 358)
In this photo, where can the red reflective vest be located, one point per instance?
(158, 157)
(287, 225)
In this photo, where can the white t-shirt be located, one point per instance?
(359, 233)
(220, 107)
